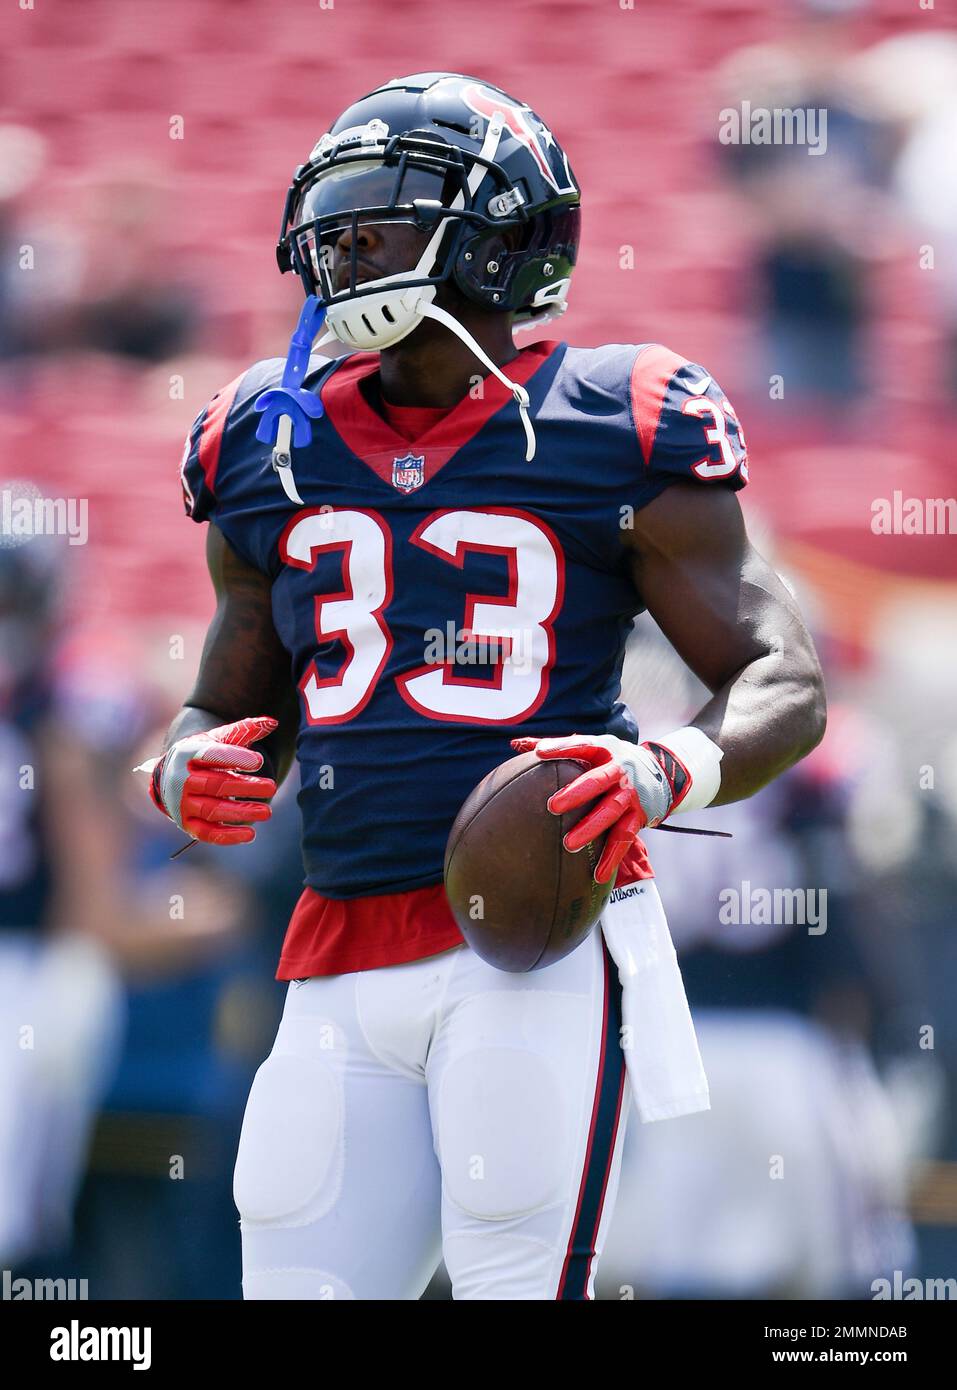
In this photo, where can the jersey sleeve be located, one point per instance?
(201, 454)
(687, 428)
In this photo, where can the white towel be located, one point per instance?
(658, 1037)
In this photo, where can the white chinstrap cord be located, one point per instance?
(432, 311)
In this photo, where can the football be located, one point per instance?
(520, 899)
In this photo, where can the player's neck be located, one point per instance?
(432, 367)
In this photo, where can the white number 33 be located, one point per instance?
(717, 433)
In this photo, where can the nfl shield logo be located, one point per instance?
(408, 473)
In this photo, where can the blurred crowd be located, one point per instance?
(137, 997)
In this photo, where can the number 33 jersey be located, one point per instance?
(438, 597)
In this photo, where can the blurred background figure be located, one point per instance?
(60, 1005)
(129, 300)
(142, 169)
(911, 83)
(92, 275)
(155, 1217)
(816, 203)
(23, 296)
(796, 1183)
(127, 989)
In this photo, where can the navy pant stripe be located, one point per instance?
(603, 1131)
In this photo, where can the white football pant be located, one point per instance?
(436, 1107)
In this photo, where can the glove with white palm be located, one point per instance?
(205, 784)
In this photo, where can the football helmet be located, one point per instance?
(454, 157)
(484, 182)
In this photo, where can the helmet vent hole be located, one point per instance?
(367, 323)
(387, 314)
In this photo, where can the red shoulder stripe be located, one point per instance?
(653, 369)
(211, 434)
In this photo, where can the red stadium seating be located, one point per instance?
(630, 91)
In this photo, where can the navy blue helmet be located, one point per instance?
(454, 156)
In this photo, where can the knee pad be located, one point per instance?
(503, 1133)
(289, 1166)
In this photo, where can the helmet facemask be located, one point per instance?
(421, 183)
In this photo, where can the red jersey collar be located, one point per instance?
(411, 421)
(373, 439)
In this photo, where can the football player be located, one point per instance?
(435, 486)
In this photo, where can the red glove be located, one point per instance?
(202, 780)
(626, 781)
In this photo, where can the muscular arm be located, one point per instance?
(729, 617)
(244, 668)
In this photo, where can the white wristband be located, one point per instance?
(702, 759)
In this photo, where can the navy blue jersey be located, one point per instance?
(437, 598)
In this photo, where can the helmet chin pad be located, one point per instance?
(376, 321)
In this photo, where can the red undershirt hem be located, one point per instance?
(336, 936)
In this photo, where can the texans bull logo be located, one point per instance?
(524, 125)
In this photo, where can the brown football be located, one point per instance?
(520, 899)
